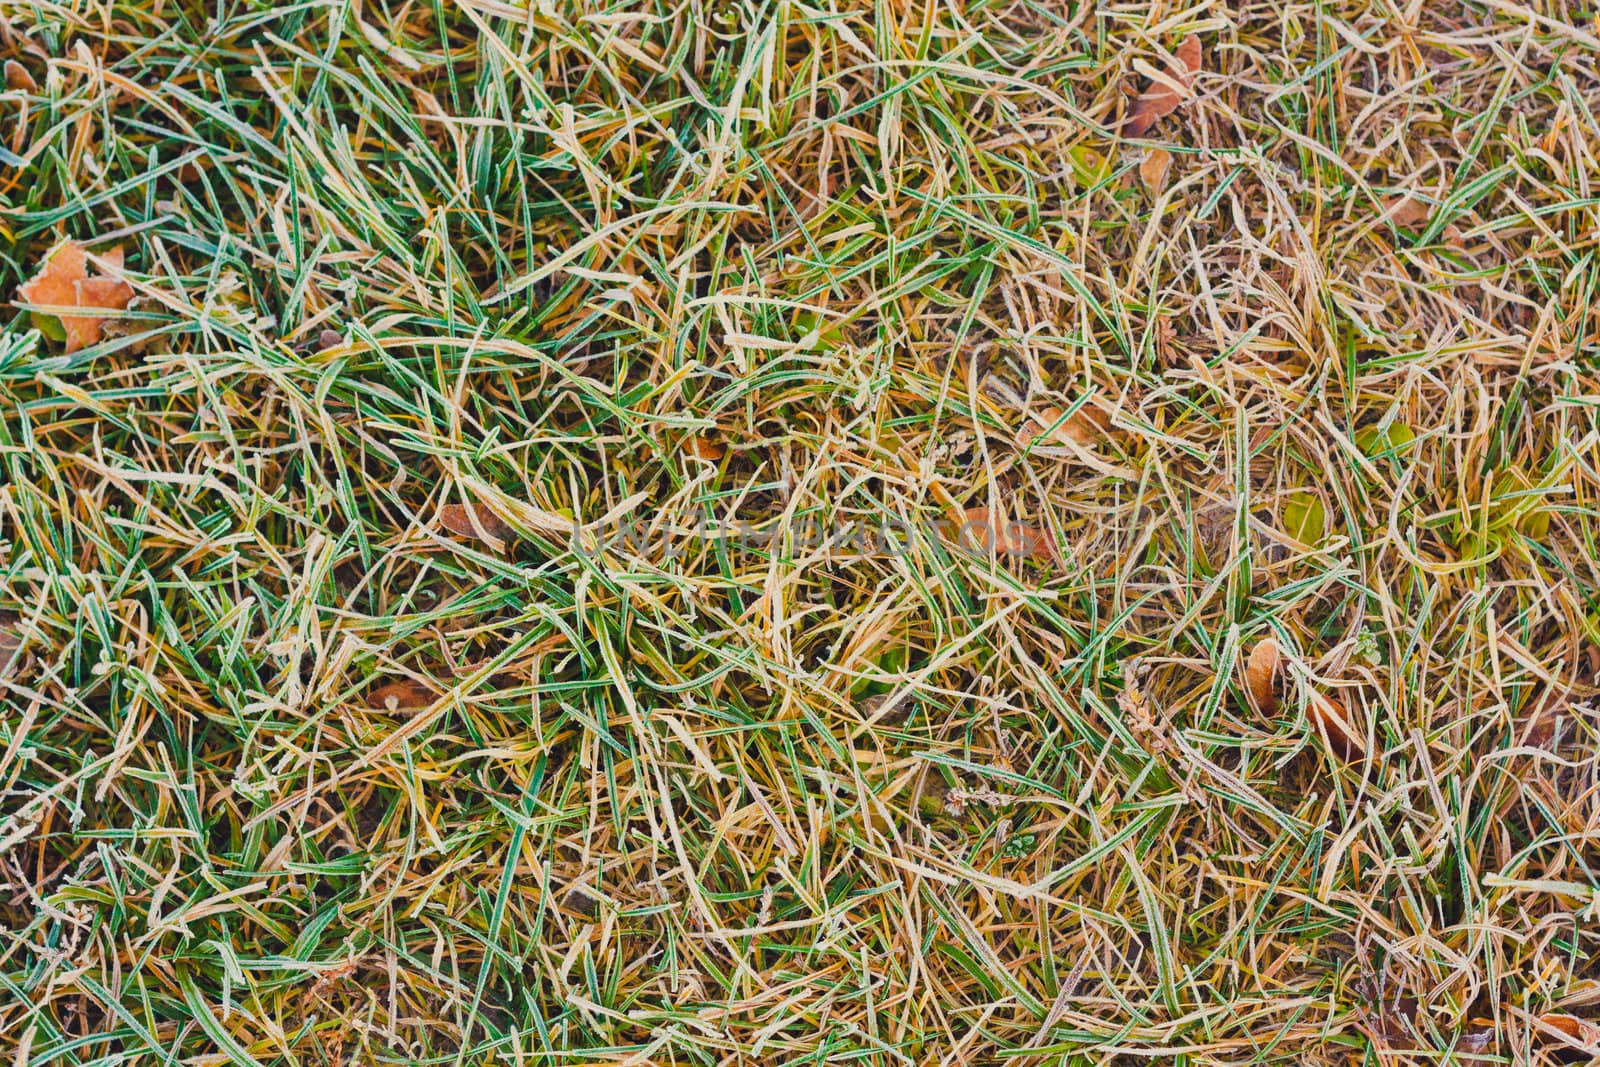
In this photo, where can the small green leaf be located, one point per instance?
(1515, 504)
(49, 325)
(1395, 440)
(1304, 517)
(1018, 846)
(1088, 166)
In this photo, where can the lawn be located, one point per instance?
(1032, 533)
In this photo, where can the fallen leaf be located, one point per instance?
(10, 642)
(1393, 1023)
(1161, 99)
(1088, 166)
(581, 901)
(18, 78)
(886, 706)
(474, 521)
(703, 448)
(1394, 440)
(1085, 426)
(1328, 716)
(1003, 392)
(986, 532)
(1304, 517)
(1583, 1031)
(402, 694)
(1476, 1040)
(1542, 717)
(1154, 168)
(1406, 210)
(1261, 673)
(63, 283)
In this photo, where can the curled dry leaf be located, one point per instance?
(1142, 719)
(1154, 168)
(473, 520)
(703, 448)
(988, 531)
(63, 283)
(18, 78)
(1261, 671)
(1161, 99)
(1330, 720)
(1263, 677)
(402, 694)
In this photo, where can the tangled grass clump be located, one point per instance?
(799, 531)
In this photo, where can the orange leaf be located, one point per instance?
(473, 520)
(402, 694)
(987, 532)
(703, 448)
(1261, 671)
(1161, 99)
(1583, 1031)
(63, 283)
(1154, 169)
(17, 77)
(1330, 720)
(1086, 426)
(1406, 210)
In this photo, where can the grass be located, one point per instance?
(445, 618)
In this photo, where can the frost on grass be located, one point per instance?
(434, 620)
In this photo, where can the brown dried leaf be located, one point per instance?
(987, 532)
(475, 521)
(1261, 673)
(1189, 55)
(1328, 716)
(1407, 210)
(64, 283)
(10, 642)
(1086, 426)
(1155, 167)
(18, 78)
(1003, 392)
(581, 901)
(1161, 99)
(1543, 716)
(1476, 1039)
(1583, 1031)
(1140, 714)
(402, 694)
(703, 448)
